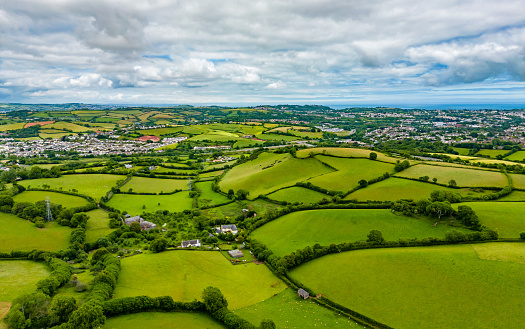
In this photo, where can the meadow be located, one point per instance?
(517, 156)
(93, 185)
(507, 217)
(298, 194)
(18, 277)
(154, 185)
(137, 204)
(461, 151)
(66, 200)
(423, 287)
(21, 234)
(183, 275)
(306, 228)
(492, 153)
(349, 172)
(463, 177)
(393, 189)
(514, 196)
(344, 153)
(270, 172)
(97, 225)
(518, 181)
(277, 137)
(160, 320)
(209, 197)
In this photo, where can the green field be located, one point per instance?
(183, 275)
(160, 320)
(516, 156)
(234, 209)
(306, 228)
(518, 181)
(276, 137)
(20, 234)
(93, 185)
(66, 200)
(393, 189)
(216, 136)
(463, 177)
(18, 277)
(247, 143)
(507, 217)
(160, 131)
(350, 172)
(492, 153)
(66, 125)
(287, 310)
(424, 287)
(155, 185)
(270, 172)
(298, 194)
(461, 151)
(208, 197)
(97, 225)
(343, 152)
(514, 196)
(133, 204)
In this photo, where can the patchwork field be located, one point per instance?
(270, 172)
(306, 228)
(69, 201)
(430, 287)
(94, 185)
(20, 234)
(393, 189)
(209, 197)
(507, 217)
(463, 177)
(184, 275)
(344, 152)
(350, 172)
(298, 194)
(97, 225)
(137, 204)
(18, 277)
(461, 151)
(155, 185)
(159, 320)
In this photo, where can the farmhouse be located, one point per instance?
(228, 228)
(303, 293)
(144, 224)
(191, 243)
(235, 253)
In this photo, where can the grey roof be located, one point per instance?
(229, 227)
(235, 253)
(303, 293)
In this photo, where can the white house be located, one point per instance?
(191, 243)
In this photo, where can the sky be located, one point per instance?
(347, 52)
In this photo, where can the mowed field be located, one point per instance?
(507, 217)
(349, 172)
(425, 287)
(270, 172)
(298, 194)
(66, 200)
(134, 204)
(18, 277)
(492, 153)
(161, 320)
(306, 228)
(393, 189)
(154, 185)
(21, 234)
(517, 156)
(97, 225)
(183, 275)
(93, 185)
(463, 177)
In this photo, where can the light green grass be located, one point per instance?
(517, 156)
(463, 177)
(216, 136)
(211, 174)
(507, 217)
(518, 181)
(178, 171)
(306, 228)
(424, 287)
(12, 126)
(344, 152)
(288, 310)
(69, 201)
(56, 136)
(492, 153)
(70, 291)
(349, 172)
(393, 189)
(160, 131)
(514, 196)
(94, 185)
(247, 143)
(184, 275)
(160, 320)
(209, 197)
(21, 234)
(270, 172)
(298, 194)
(276, 137)
(67, 125)
(133, 204)
(155, 185)
(97, 225)
(461, 151)
(19, 277)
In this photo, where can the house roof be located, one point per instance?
(235, 253)
(303, 292)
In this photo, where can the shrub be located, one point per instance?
(40, 224)
(522, 235)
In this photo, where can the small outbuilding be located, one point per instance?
(191, 243)
(303, 293)
(235, 253)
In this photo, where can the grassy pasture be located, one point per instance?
(21, 234)
(161, 320)
(67, 125)
(12, 126)
(518, 180)
(287, 310)
(344, 153)
(276, 137)
(94, 185)
(53, 135)
(97, 225)
(492, 153)
(270, 172)
(298, 194)
(424, 287)
(155, 185)
(463, 177)
(517, 156)
(184, 275)
(514, 196)
(160, 131)
(247, 143)
(393, 189)
(209, 197)
(216, 136)
(306, 228)
(507, 217)
(211, 174)
(69, 201)
(350, 172)
(461, 150)
(134, 203)
(18, 277)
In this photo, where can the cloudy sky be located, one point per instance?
(355, 52)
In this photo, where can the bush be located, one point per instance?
(522, 235)
(40, 224)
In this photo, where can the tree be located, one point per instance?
(440, 208)
(522, 235)
(88, 316)
(159, 245)
(375, 236)
(363, 183)
(373, 155)
(135, 227)
(452, 183)
(267, 324)
(62, 307)
(28, 310)
(242, 194)
(231, 193)
(468, 217)
(214, 299)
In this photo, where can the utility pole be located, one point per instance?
(49, 215)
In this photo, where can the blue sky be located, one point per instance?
(347, 52)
